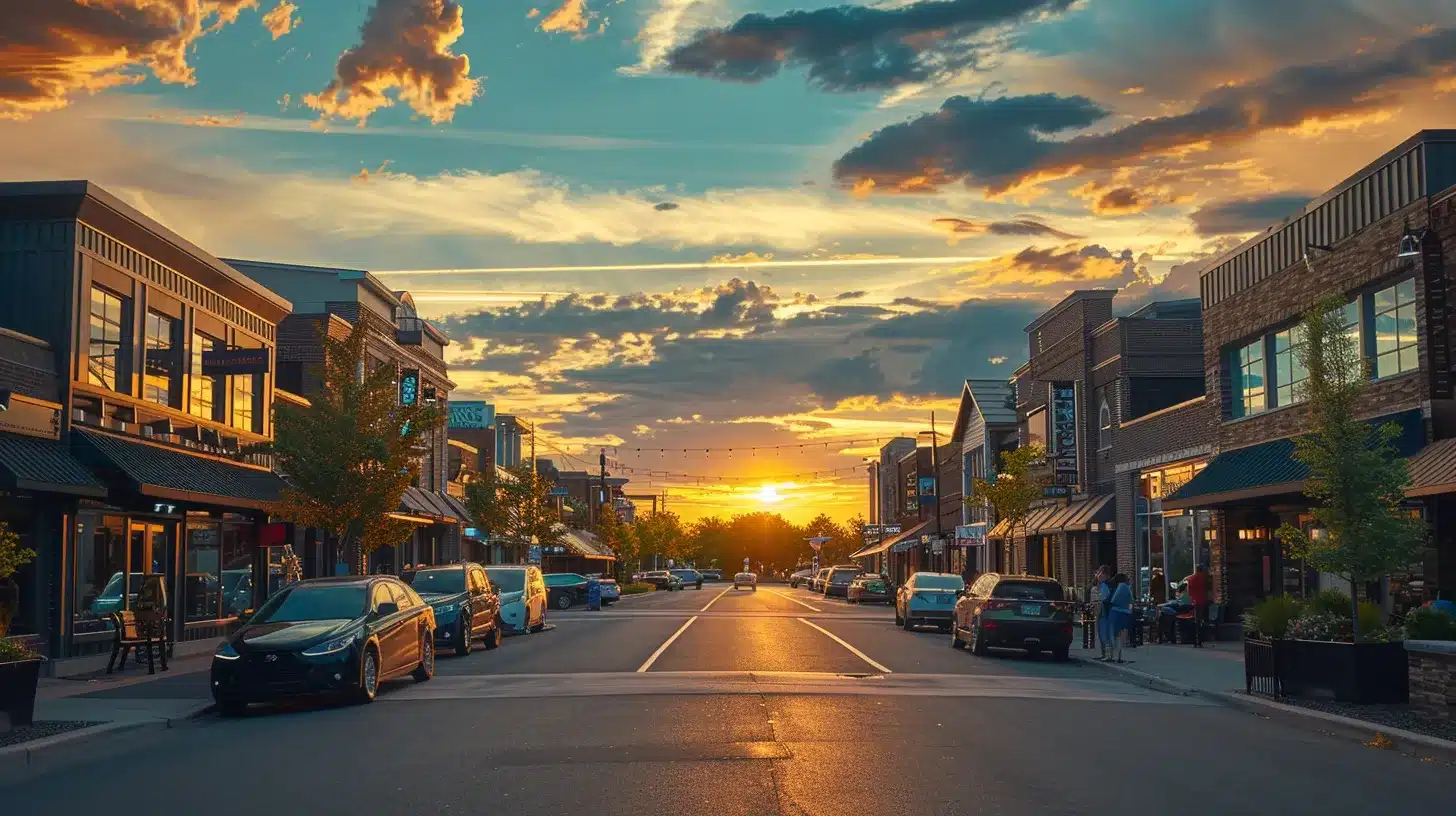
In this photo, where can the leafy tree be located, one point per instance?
(838, 548)
(713, 541)
(660, 534)
(12, 558)
(1356, 477)
(1013, 490)
(515, 507)
(619, 536)
(352, 453)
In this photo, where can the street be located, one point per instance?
(735, 702)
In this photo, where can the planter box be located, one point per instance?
(1432, 678)
(18, 682)
(1348, 672)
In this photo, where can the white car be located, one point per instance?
(746, 579)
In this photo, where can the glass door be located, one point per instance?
(149, 552)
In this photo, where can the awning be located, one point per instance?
(33, 463)
(1083, 514)
(1037, 517)
(174, 475)
(458, 507)
(999, 531)
(1054, 522)
(873, 548)
(587, 545)
(909, 538)
(1270, 468)
(1433, 470)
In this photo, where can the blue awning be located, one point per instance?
(1271, 469)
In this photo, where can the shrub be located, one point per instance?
(13, 650)
(1271, 617)
(1330, 602)
(1321, 626)
(635, 589)
(1372, 617)
(1427, 623)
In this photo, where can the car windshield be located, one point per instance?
(316, 602)
(509, 580)
(563, 579)
(442, 581)
(842, 576)
(939, 582)
(1028, 590)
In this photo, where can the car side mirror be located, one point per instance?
(386, 609)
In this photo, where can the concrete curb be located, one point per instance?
(30, 759)
(1149, 680)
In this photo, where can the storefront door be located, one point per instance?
(149, 552)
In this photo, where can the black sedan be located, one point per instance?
(466, 606)
(341, 636)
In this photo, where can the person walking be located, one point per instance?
(1120, 613)
(1197, 584)
(1100, 593)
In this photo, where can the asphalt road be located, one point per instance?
(721, 702)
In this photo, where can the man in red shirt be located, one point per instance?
(1198, 586)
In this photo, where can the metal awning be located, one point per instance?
(1000, 530)
(162, 472)
(1433, 470)
(1036, 517)
(909, 538)
(33, 463)
(1053, 523)
(459, 509)
(1083, 514)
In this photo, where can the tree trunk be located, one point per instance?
(1354, 610)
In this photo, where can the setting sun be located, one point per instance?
(768, 494)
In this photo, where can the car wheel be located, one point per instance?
(368, 677)
(232, 708)
(497, 631)
(907, 624)
(464, 645)
(426, 669)
(978, 647)
(563, 601)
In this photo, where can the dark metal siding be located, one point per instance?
(37, 265)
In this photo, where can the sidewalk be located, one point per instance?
(70, 713)
(1215, 668)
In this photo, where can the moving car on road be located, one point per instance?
(869, 588)
(746, 579)
(689, 578)
(712, 575)
(565, 589)
(465, 606)
(816, 584)
(1016, 612)
(840, 576)
(802, 576)
(662, 579)
(522, 597)
(341, 635)
(928, 598)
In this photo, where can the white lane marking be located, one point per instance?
(715, 599)
(660, 649)
(795, 600)
(845, 644)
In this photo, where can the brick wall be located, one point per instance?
(1433, 684)
(1126, 490)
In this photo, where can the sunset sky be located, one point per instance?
(704, 224)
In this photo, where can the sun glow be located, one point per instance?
(768, 494)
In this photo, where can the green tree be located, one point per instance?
(837, 549)
(1356, 477)
(350, 455)
(713, 541)
(1013, 491)
(515, 507)
(660, 534)
(12, 558)
(618, 535)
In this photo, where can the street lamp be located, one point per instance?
(1410, 242)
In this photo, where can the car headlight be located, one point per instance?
(448, 609)
(338, 644)
(226, 652)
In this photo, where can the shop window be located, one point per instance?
(1036, 430)
(245, 397)
(1290, 374)
(106, 357)
(1395, 329)
(1251, 375)
(100, 577)
(206, 402)
(159, 383)
(1104, 425)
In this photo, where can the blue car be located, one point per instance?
(928, 598)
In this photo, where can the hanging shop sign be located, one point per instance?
(971, 535)
(409, 387)
(31, 417)
(225, 362)
(927, 490)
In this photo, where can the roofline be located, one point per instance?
(88, 189)
(1066, 303)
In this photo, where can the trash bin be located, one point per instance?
(593, 595)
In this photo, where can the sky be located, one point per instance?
(703, 225)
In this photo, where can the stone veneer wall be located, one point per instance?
(1432, 678)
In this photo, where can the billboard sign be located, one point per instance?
(472, 414)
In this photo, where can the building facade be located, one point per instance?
(987, 427)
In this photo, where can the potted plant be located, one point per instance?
(12, 558)
(1356, 482)
(19, 676)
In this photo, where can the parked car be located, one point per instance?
(611, 592)
(712, 575)
(342, 635)
(816, 584)
(522, 593)
(565, 589)
(802, 576)
(689, 578)
(837, 584)
(869, 588)
(746, 579)
(465, 606)
(662, 579)
(928, 598)
(1014, 611)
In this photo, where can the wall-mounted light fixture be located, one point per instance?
(1410, 242)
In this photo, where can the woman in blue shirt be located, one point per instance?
(1121, 614)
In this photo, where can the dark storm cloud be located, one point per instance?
(844, 377)
(855, 295)
(853, 48)
(839, 315)
(1119, 201)
(918, 303)
(1021, 225)
(1240, 215)
(1000, 143)
(666, 205)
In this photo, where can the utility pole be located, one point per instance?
(531, 503)
(602, 460)
(935, 468)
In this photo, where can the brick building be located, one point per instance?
(1378, 239)
(1088, 372)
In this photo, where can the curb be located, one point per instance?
(29, 759)
(1151, 681)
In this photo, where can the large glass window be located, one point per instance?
(1395, 329)
(159, 383)
(1036, 428)
(105, 361)
(244, 393)
(1252, 397)
(202, 582)
(1104, 425)
(100, 571)
(205, 402)
(1289, 373)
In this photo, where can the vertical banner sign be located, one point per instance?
(927, 490)
(409, 387)
(1062, 441)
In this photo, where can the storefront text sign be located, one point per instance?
(1062, 447)
(224, 362)
(31, 418)
(472, 414)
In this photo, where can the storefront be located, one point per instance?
(1168, 544)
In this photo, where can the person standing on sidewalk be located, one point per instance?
(1100, 593)
(1198, 596)
(1120, 616)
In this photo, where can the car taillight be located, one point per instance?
(997, 605)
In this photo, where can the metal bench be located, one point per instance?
(143, 631)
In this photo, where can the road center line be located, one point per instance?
(660, 649)
(795, 600)
(715, 599)
(841, 642)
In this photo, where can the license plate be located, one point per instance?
(1031, 610)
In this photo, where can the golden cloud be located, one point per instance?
(55, 49)
(1036, 267)
(571, 17)
(280, 20)
(404, 48)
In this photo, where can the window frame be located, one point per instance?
(118, 367)
(169, 394)
(203, 384)
(1244, 365)
(241, 396)
(1288, 393)
(1394, 311)
(1104, 424)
